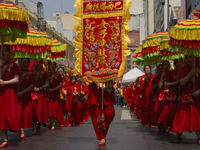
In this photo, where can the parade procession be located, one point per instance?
(118, 71)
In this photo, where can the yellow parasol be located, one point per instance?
(57, 50)
(35, 46)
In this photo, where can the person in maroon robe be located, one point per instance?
(84, 106)
(72, 102)
(153, 102)
(145, 86)
(39, 96)
(187, 117)
(55, 83)
(95, 100)
(171, 92)
(26, 83)
(9, 78)
(63, 96)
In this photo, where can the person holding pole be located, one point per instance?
(101, 99)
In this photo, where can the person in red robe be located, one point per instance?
(135, 97)
(160, 103)
(72, 102)
(152, 112)
(187, 117)
(9, 78)
(171, 92)
(63, 96)
(39, 96)
(145, 86)
(55, 83)
(95, 98)
(83, 111)
(26, 83)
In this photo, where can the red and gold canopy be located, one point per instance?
(13, 22)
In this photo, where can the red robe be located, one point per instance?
(8, 99)
(40, 111)
(186, 117)
(155, 106)
(84, 111)
(95, 97)
(62, 102)
(145, 86)
(145, 89)
(72, 105)
(170, 106)
(25, 101)
(54, 97)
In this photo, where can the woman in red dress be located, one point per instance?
(63, 96)
(135, 107)
(152, 112)
(171, 93)
(26, 83)
(84, 107)
(95, 99)
(40, 111)
(9, 78)
(145, 86)
(187, 117)
(72, 102)
(160, 100)
(55, 83)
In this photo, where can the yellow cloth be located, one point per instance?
(115, 86)
(121, 93)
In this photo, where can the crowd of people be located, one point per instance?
(170, 100)
(32, 97)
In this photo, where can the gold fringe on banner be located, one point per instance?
(78, 28)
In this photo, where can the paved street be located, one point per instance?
(125, 134)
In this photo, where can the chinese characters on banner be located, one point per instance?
(102, 40)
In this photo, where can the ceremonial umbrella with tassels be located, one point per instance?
(150, 49)
(165, 54)
(184, 36)
(35, 46)
(138, 56)
(13, 23)
(57, 50)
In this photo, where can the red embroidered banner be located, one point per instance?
(102, 52)
(102, 43)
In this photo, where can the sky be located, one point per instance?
(57, 6)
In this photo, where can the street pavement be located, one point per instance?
(125, 133)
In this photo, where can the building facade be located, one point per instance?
(56, 23)
(68, 22)
(167, 14)
(134, 35)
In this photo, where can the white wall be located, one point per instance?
(134, 23)
(57, 24)
(137, 7)
(32, 6)
(142, 28)
(69, 34)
